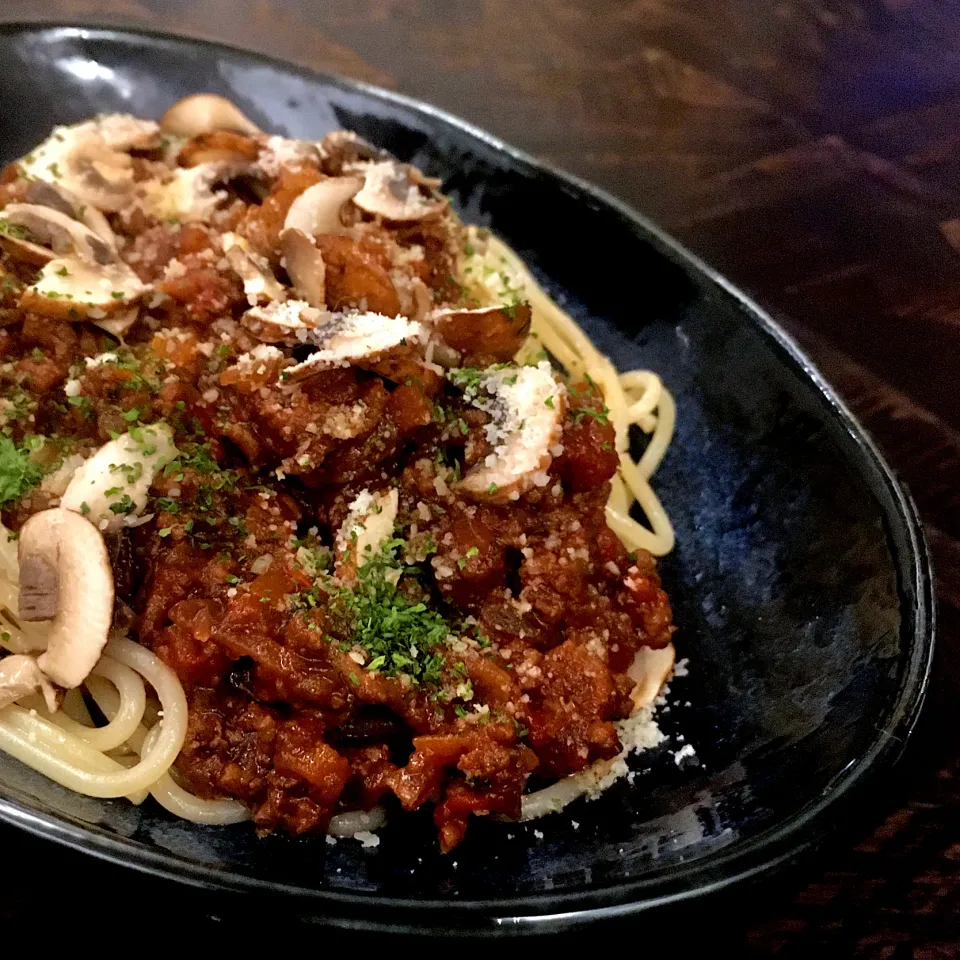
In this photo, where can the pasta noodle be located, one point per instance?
(634, 397)
(132, 754)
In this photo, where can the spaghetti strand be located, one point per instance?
(634, 397)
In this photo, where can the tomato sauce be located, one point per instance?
(221, 577)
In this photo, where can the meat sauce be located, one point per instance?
(524, 609)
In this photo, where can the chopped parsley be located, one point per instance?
(132, 472)
(578, 413)
(399, 634)
(123, 506)
(83, 404)
(18, 473)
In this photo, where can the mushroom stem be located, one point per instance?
(73, 546)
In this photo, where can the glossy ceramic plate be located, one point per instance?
(800, 581)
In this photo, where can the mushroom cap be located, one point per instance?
(390, 346)
(304, 263)
(90, 159)
(57, 197)
(526, 405)
(317, 209)
(288, 322)
(78, 632)
(112, 485)
(205, 113)
(396, 192)
(218, 146)
(259, 283)
(20, 676)
(22, 250)
(71, 288)
(60, 232)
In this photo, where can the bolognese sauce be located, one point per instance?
(377, 556)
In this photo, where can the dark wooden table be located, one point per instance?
(810, 149)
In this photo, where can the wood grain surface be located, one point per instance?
(809, 149)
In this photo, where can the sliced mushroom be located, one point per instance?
(205, 113)
(58, 198)
(90, 159)
(74, 289)
(369, 524)
(111, 487)
(59, 231)
(304, 263)
(84, 606)
(650, 670)
(259, 283)
(394, 192)
(16, 245)
(53, 196)
(390, 346)
(485, 336)
(20, 677)
(219, 146)
(317, 210)
(526, 406)
(288, 322)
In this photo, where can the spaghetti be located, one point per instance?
(131, 748)
(635, 397)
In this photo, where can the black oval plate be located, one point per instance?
(801, 581)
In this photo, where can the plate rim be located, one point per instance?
(759, 855)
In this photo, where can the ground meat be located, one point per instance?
(570, 724)
(262, 223)
(355, 278)
(513, 624)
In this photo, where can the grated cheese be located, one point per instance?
(526, 406)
